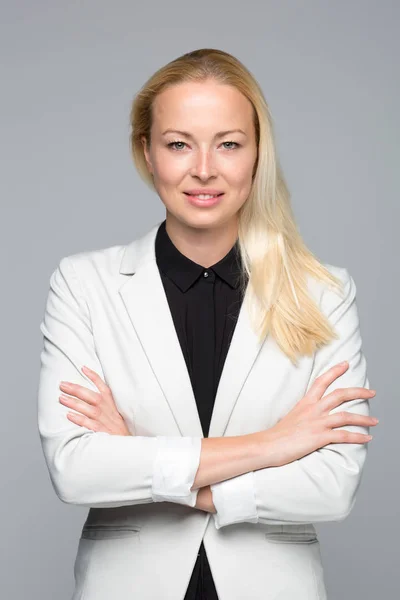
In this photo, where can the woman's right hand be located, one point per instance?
(309, 426)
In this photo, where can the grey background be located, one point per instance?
(69, 71)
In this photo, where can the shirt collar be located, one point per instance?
(183, 271)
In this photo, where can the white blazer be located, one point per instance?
(107, 309)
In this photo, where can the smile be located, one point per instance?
(204, 199)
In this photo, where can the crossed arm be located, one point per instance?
(97, 412)
(227, 474)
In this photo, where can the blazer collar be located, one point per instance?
(139, 252)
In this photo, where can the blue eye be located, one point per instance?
(235, 143)
(172, 144)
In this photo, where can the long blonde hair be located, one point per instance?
(275, 260)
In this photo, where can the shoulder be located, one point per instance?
(108, 258)
(327, 295)
(91, 270)
(343, 275)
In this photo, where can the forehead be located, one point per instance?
(192, 104)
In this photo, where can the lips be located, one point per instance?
(200, 192)
(199, 200)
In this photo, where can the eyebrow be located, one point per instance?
(217, 135)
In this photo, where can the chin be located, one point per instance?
(204, 220)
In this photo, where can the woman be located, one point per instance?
(206, 416)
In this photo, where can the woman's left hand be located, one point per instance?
(98, 409)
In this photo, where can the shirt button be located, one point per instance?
(205, 274)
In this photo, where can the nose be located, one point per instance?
(204, 165)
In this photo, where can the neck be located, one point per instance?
(203, 245)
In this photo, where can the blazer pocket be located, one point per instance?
(105, 531)
(292, 535)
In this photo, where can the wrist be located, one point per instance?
(259, 445)
(204, 500)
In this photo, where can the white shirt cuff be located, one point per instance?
(176, 464)
(234, 500)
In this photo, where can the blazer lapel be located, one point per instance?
(242, 353)
(147, 305)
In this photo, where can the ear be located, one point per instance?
(146, 153)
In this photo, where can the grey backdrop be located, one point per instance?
(69, 71)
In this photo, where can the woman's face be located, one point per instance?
(196, 146)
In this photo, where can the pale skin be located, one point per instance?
(204, 158)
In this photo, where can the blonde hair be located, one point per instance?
(275, 260)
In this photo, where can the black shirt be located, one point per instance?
(204, 304)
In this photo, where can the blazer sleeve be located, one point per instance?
(322, 485)
(96, 468)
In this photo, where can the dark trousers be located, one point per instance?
(201, 585)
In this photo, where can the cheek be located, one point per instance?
(167, 170)
(238, 172)
(239, 175)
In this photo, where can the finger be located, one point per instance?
(342, 418)
(74, 389)
(343, 436)
(85, 421)
(323, 381)
(92, 412)
(97, 380)
(340, 395)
